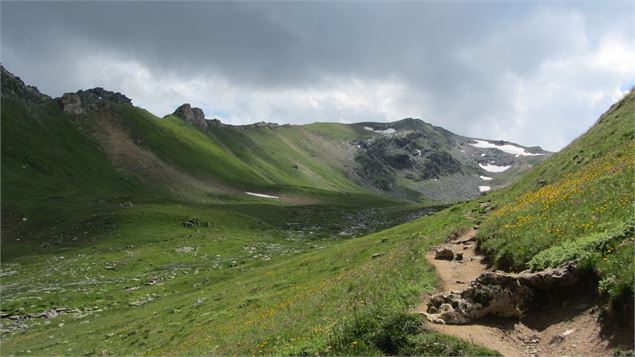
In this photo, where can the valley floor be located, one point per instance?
(246, 278)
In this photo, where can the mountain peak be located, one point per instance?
(191, 115)
(85, 101)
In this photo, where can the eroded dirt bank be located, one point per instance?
(561, 317)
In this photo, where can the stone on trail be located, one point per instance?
(443, 254)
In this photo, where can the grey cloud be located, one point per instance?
(453, 57)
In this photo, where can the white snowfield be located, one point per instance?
(484, 188)
(386, 131)
(493, 168)
(508, 148)
(485, 178)
(261, 195)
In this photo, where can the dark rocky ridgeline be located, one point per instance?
(13, 87)
(191, 115)
(262, 124)
(86, 101)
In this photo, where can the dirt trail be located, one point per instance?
(568, 327)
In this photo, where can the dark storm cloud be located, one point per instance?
(458, 64)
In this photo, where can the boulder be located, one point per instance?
(377, 255)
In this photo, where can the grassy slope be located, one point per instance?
(584, 211)
(136, 280)
(246, 286)
(294, 156)
(247, 283)
(56, 176)
(52, 175)
(276, 160)
(44, 156)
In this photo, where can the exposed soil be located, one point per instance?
(562, 323)
(132, 158)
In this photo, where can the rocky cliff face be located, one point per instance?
(192, 115)
(13, 87)
(85, 101)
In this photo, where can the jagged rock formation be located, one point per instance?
(497, 293)
(191, 115)
(13, 87)
(85, 101)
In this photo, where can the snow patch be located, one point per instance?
(493, 168)
(508, 148)
(261, 195)
(387, 131)
(484, 188)
(485, 178)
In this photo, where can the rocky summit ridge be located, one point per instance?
(85, 101)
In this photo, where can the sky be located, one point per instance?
(535, 73)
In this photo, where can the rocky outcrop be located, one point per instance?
(498, 293)
(13, 87)
(215, 123)
(86, 101)
(260, 124)
(191, 115)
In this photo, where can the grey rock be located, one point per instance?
(126, 204)
(497, 293)
(86, 101)
(260, 124)
(192, 115)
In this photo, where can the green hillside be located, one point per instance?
(124, 233)
(52, 174)
(576, 206)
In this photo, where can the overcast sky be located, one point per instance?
(537, 73)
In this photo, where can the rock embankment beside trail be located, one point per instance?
(497, 293)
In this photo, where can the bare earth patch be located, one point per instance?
(564, 323)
